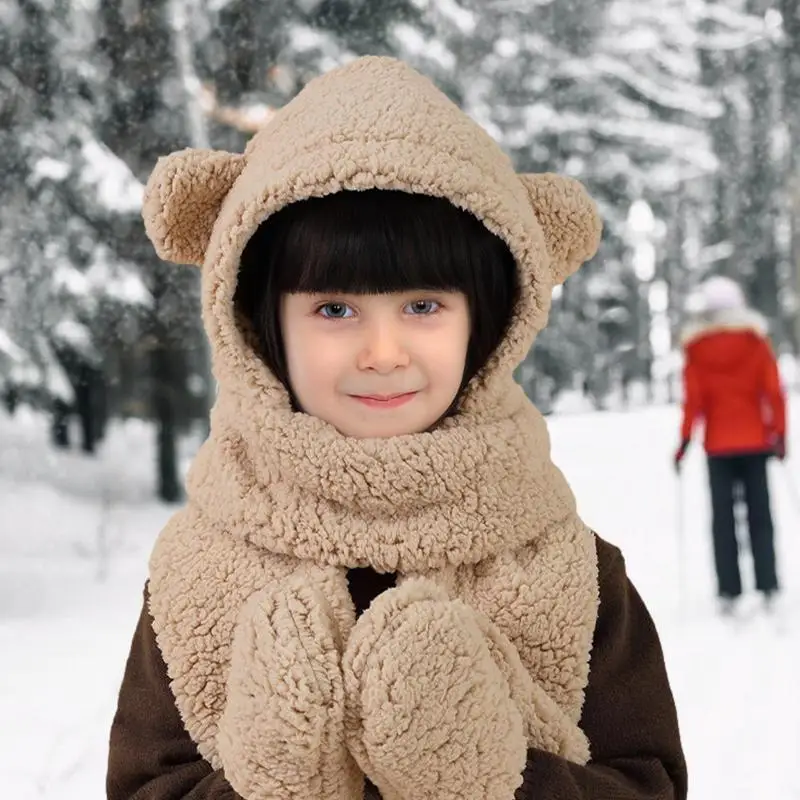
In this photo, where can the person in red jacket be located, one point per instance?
(731, 382)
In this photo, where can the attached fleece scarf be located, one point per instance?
(482, 649)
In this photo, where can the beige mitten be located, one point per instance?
(546, 726)
(281, 736)
(429, 712)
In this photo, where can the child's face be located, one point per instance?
(375, 366)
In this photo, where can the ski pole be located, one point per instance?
(791, 486)
(681, 536)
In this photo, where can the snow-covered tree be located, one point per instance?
(64, 196)
(790, 85)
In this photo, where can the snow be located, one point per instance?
(116, 186)
(506, 48)
(323, 47)
(74, 334)
(465, 21)
(304, 38)
(50, 168)
(736, 20)
(9, 13)
(117, 280)
(677, 96)
(10, 349)
(66, 276)
(414, 45)
(106, 275)
(75, 534)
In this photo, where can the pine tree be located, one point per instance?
(63, 194)
(790, 11)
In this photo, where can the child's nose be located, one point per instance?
(383, 350)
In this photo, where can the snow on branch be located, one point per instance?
(116, 187)
(416, 45)
(680, 96)
(10, 350)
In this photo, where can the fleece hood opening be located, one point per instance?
(374, 123)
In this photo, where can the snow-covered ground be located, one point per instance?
(67, 611)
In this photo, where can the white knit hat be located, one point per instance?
(719, 294)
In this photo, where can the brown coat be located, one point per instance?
(629, 716)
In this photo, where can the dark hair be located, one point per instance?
(375, 242)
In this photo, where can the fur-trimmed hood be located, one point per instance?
(248, 581)
(726, 320)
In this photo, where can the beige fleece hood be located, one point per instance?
(375, 123)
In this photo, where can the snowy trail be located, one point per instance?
(736, 686)
(64, 634)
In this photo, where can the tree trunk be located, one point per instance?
(791, 115)
(723, 130)
(59, 424)
(180, 12)
(35, 64)
(139, 127)
(162, 369)
(85, 409)
(758, 208)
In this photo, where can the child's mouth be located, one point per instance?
(385, 401)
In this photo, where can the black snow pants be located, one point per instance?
(734, 478)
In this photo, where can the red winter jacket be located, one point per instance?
(731, 380)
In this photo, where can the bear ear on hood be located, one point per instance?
(182, 200)
(569, 219)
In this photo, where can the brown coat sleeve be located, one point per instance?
(629, 714)
(151, 756)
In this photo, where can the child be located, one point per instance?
(379, 584)
(731, 380)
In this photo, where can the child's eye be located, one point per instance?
(335, 310)
(424, 307)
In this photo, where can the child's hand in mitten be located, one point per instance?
(546, 725)
(281, 735)
(429, 713)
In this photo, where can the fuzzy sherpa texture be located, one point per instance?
(291, 742)
(415, 643)
(264, 670)
(182, 201)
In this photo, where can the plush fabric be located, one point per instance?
(274, 678)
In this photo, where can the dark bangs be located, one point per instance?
(375, 242)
